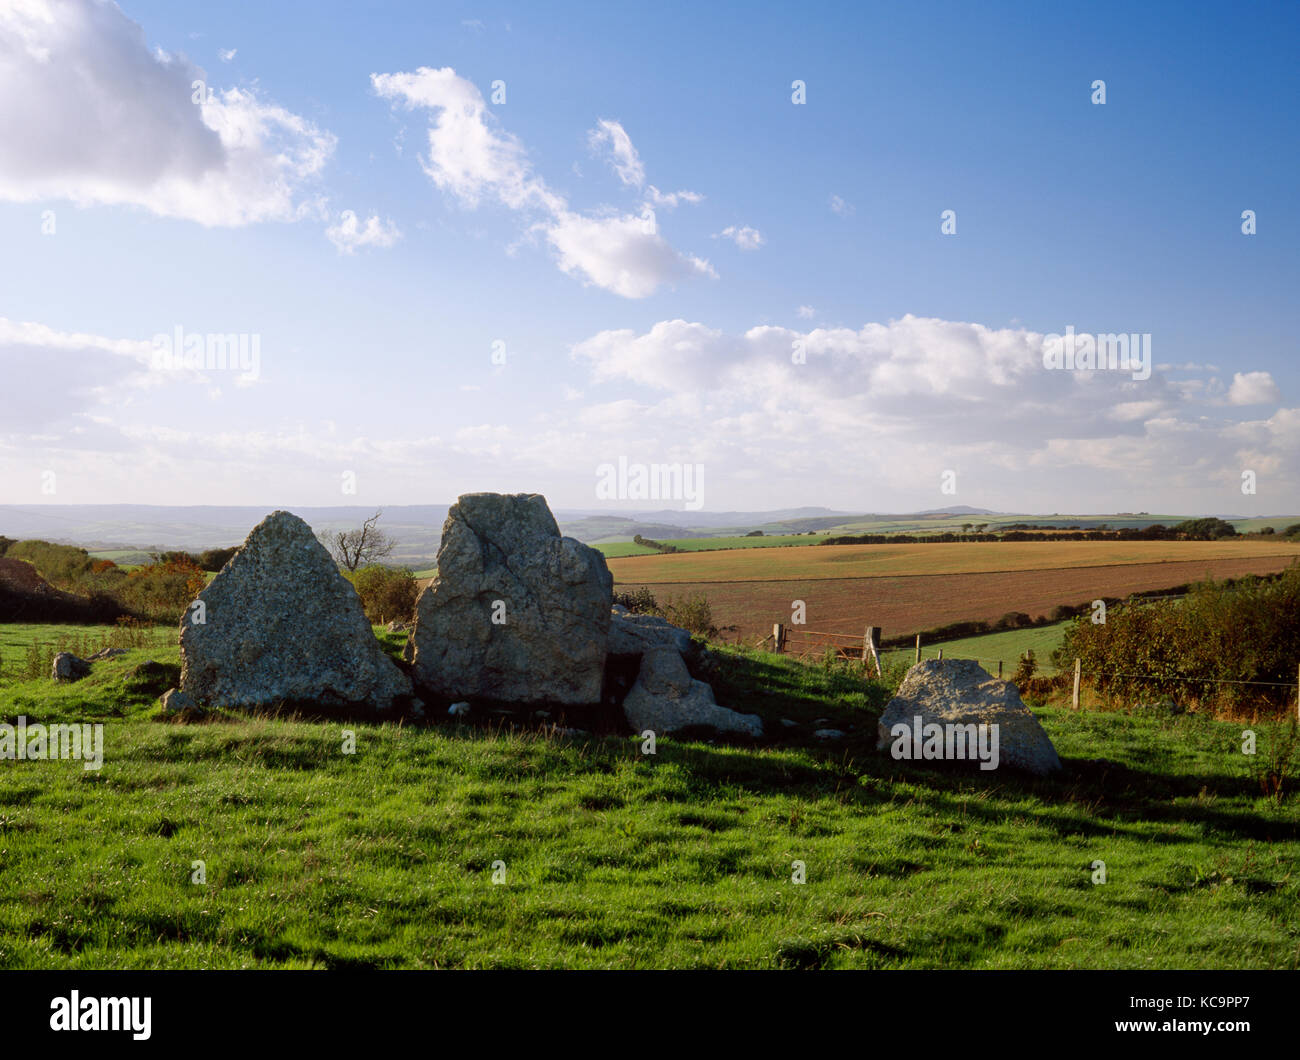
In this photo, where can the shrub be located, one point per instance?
(1201, 647)
(216, 558)
(187, 558)
(63, 566)
(1206, 529)
(162, 591)
(1026, 668)
(1275, 763)
(692, 613)
(387, 594)
(640, 601)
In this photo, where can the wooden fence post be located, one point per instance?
(918, 647)
(778, 637)
(940, 653)
(999, 669)
(1078, 668)
(871, 648)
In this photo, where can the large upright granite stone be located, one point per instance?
(283, 626)
(517, 613)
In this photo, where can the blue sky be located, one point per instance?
(647, 226)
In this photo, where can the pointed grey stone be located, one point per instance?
(284, 627)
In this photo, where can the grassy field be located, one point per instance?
(615, 859)
(123, 557)
(991, 648)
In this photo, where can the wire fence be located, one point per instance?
(847, 647)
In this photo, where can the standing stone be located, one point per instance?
(960, 692)
(517, 613)
(283, 626)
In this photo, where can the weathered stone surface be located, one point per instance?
(502, 557)
(106, 653)
(636, 634)
(174, 701)
(959, 691)
(67, 667)
(283, 626)
(665, 698)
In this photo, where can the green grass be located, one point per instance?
(614, 549)
(989, 648)
(123, 557)
(614, 859)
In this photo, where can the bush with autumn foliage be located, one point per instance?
(160, 592)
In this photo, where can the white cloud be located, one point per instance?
(918, 390)
(840, 206)
(746, 238)
(872, 417)
(226, 55)
(806, 312)
(623, 156)
(104, 120)
(348, 233)
(1253, 388)
(672, 198)
(93, 372)
(472, 159)
(622, 254)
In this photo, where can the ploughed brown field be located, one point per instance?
(757, 595)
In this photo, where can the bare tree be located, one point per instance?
(358, 548)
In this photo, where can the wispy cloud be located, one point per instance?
(744, 237)
(472, 159)
(348, 233)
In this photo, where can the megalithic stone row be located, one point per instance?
(517, 613)
(281, 626)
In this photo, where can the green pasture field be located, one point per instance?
(990, 648)
(611, 858)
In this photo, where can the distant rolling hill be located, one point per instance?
(122, 530)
